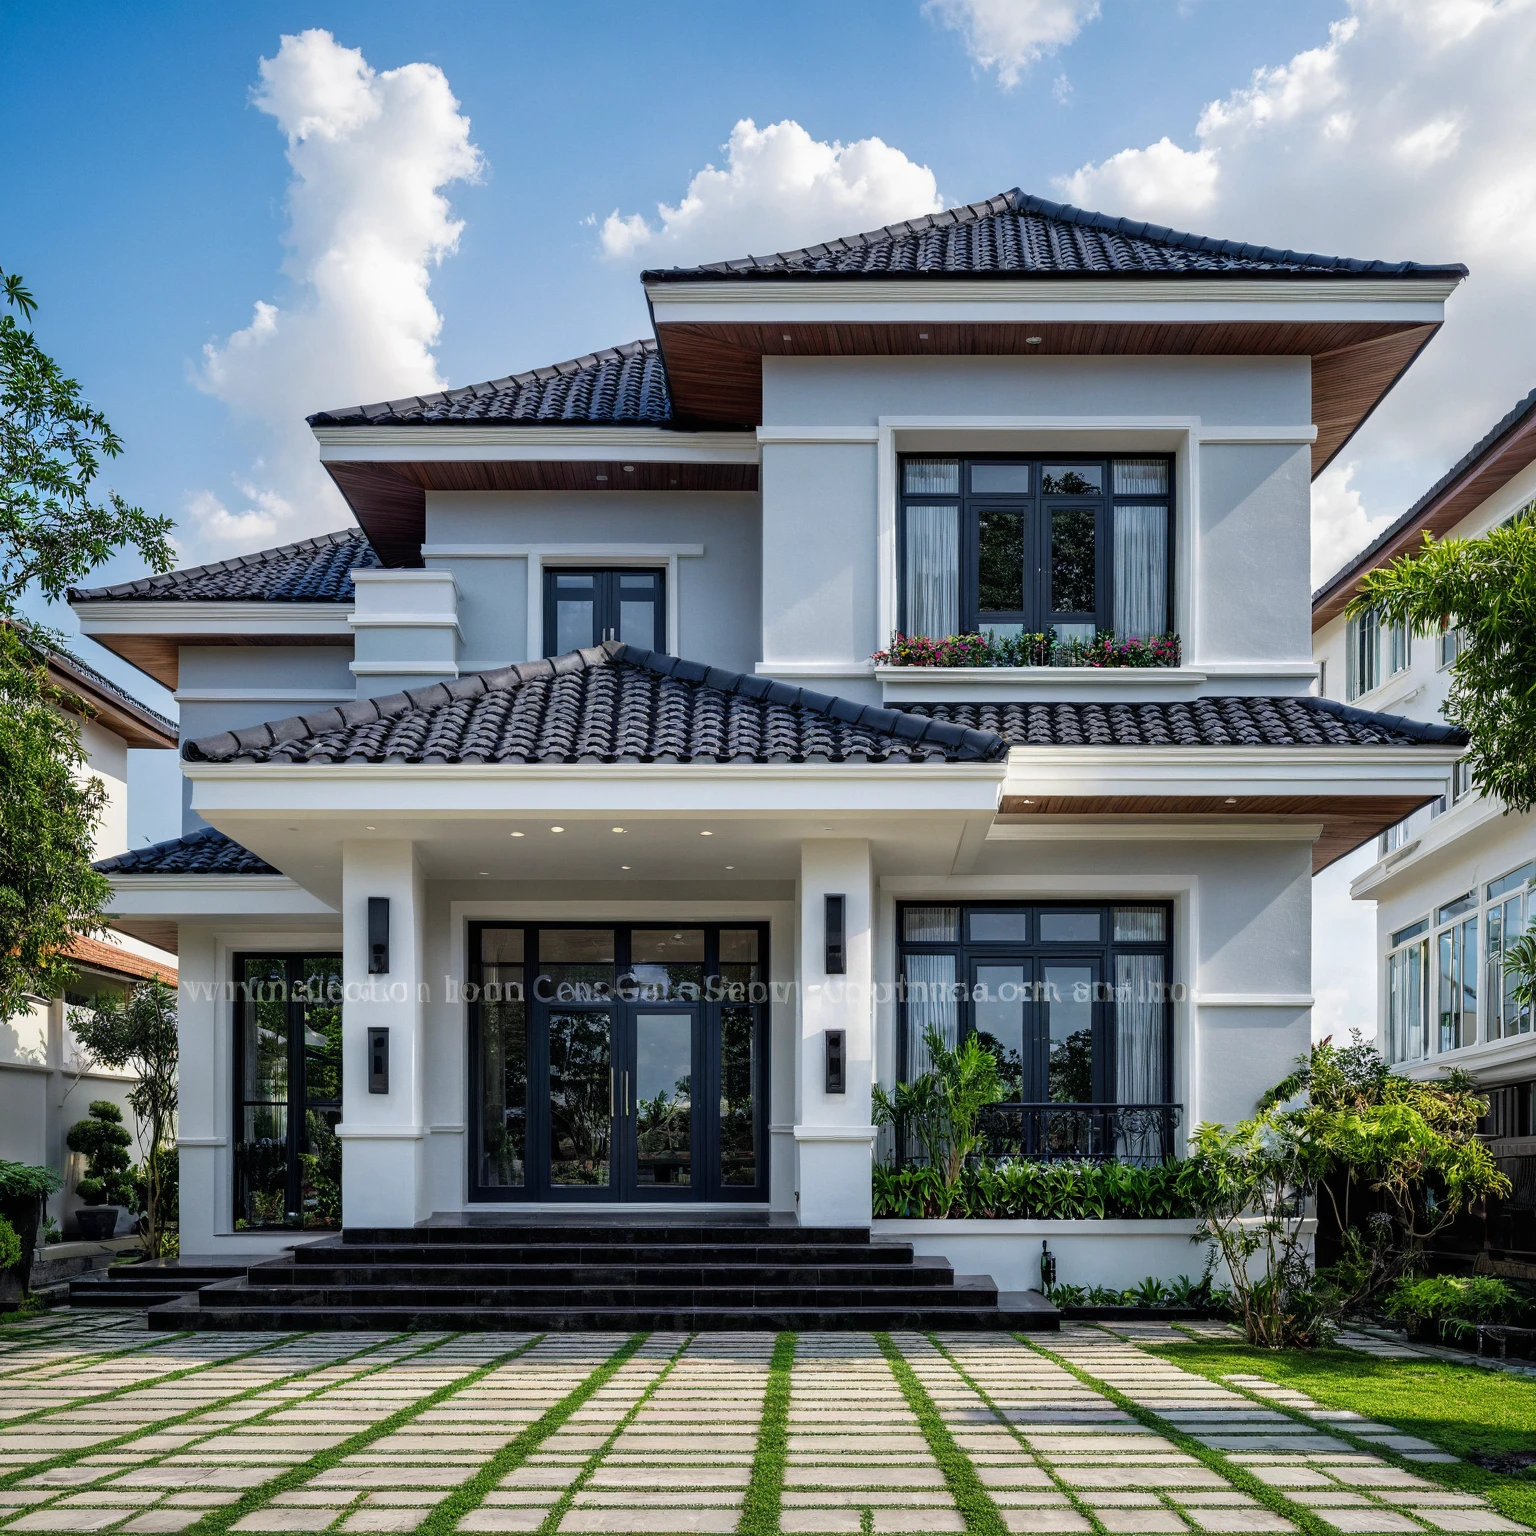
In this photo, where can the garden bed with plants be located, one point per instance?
(1034, 650)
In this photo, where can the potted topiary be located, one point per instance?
(105, 1185)
(23, 1188)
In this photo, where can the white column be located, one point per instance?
(833, 1134)
(203, 1130)
(383, 1180)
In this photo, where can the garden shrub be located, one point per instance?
(1458, 1304)
(105, 1144)
(1034, 1191)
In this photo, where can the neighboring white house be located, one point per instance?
(1452, 881)
(45, 1082)
(486, 899)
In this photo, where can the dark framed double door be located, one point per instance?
(618, 1062)
(1045, 1021)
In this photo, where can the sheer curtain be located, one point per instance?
(1141, 571)
(932, 1000)
(933, 571)
(1140, 1011)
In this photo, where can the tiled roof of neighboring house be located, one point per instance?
(1420, 511)
(102, 955)
(317, 570)
(129, 717)
(1017, 235)
(1209, 722)
(204, 852)
(612, 703)
(615, 386)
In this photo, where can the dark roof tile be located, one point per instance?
(204, 852)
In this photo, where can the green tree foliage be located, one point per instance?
(105, 1144)
(137, 1033)
(54, 529)
(1486, 589)
(938, 1116)
(49, 811)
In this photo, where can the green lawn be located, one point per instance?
(1463, 1409)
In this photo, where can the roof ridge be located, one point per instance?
(1480, 449)
(216, 567)
(566, 369)
(226, 746)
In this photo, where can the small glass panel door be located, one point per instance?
(585, 608)
(581, 1101)
(657, 1101)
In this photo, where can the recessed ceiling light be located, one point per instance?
(1231, 799)
(600, 477)
(706, 834)
(293, 829)
(1029, 802)
(1031, 341)
(485, 871)
(517, 834)
(826, 829)
(618, 829)
(788, 338)
(730, 866)
(629, 469)
(624, 866)
(370, 829)
(922, 335)
(557, 829)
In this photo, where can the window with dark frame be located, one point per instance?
(586, 607)
(1012, 545)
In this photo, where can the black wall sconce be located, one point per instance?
(837, 1061)
(837, 936)
(378, 935)
(378, 1061)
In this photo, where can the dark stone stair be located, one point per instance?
(606, 1273)
(150, 1283)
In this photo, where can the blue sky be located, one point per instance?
(152, 205)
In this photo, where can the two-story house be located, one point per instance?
(488, 901)
(1452, 882)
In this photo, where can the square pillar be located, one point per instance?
(383, 1181)
(834, 1138)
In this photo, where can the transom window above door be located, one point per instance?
(586, 607)
(1013, 546)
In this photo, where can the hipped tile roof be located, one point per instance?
(612, 703)
(1019, 235)
(316, 570)
(204, 852)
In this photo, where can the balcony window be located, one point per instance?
(1012, 546)
(586, 607)
(1373, 653)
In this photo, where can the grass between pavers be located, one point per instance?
(1464, 1409)
(765, 1492)
(159, 1426)
(92, 1358)
(471, 1495)
(1073, 1497)
(1239, 1477)
(558, 1510)
(982, 1517)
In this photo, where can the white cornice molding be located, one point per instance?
(606, 554)
(1176, 829)
(1235, 435)
(148, 617)
(836, 1132)
(1253, 999)
(853, 434)
(416, 444)
(225, 883)
(264, 696)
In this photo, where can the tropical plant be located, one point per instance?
(1457, 1304)
(138, 1033)
(10, 1245)
(938, 1115)
(105, 1143)
(1486, 589)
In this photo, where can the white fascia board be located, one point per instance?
(212, 896)
(1124, 302)
(383, 445)
(468, 791)
(1043, 772)
(136, 617)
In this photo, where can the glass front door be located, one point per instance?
(618, 1063)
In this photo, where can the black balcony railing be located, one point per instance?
(1127, 1133)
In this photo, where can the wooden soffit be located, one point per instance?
(715, 370)
(1347, 820)
(389, 499)
(160, 655)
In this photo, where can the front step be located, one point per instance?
(152, 1283)
(537, 1275)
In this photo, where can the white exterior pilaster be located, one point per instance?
(834, 1138)
(383, 1180)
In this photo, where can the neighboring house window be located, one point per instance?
(1456, 972)
(1508, 912)
(1407, 994)
(1461, 780)
(1372, 653)
(1322, 679)
(1017, 546)
(1394, 837)
(1447, 647)
(584, 608)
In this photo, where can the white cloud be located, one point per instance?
(778, 190)
(1341, 527)
(1011, 35)
(370, 153)
(1404, 134)
(1161, 180)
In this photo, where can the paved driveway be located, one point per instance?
(104, 1427)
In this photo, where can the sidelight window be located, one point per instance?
(1011, 546)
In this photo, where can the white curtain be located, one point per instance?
(1139, 1013)
(932, 999)
(933, 571)
(1141, 571)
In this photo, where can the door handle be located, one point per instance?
(610, 1093)
(626, 1094)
